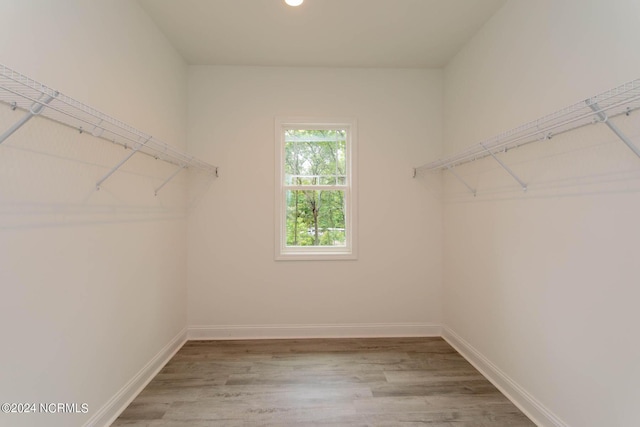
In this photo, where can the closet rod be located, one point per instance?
(623, 99)
(20, 91)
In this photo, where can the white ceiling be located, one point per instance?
(321, 33)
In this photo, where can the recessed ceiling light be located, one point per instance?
(293, 2)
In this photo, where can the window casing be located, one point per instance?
(315, 200)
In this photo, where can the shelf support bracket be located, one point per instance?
(450, 169)
(36, 108)
(166, 181)
(122, 162)
(505, 167)
(604, 119)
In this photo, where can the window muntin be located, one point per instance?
(315, 190)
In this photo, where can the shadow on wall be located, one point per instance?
(48, 175)
(586, 161)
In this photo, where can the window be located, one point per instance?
(315, 189)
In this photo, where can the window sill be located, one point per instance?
(316, 256)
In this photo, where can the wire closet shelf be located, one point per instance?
(597, 109)
(37, 99)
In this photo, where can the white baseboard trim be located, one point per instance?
(535, 410)
(528, 404)
(119, 402)
(373, 330)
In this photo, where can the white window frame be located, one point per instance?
(313, 253)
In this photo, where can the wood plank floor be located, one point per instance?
(341, 382)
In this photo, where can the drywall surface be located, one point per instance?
(544, 284)
(233, 278)
(92, 282)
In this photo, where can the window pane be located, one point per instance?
(315, 218)
(341, 157)
(312, 154)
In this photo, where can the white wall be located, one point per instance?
(93, 283)
(545, 284)
(233, 278)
